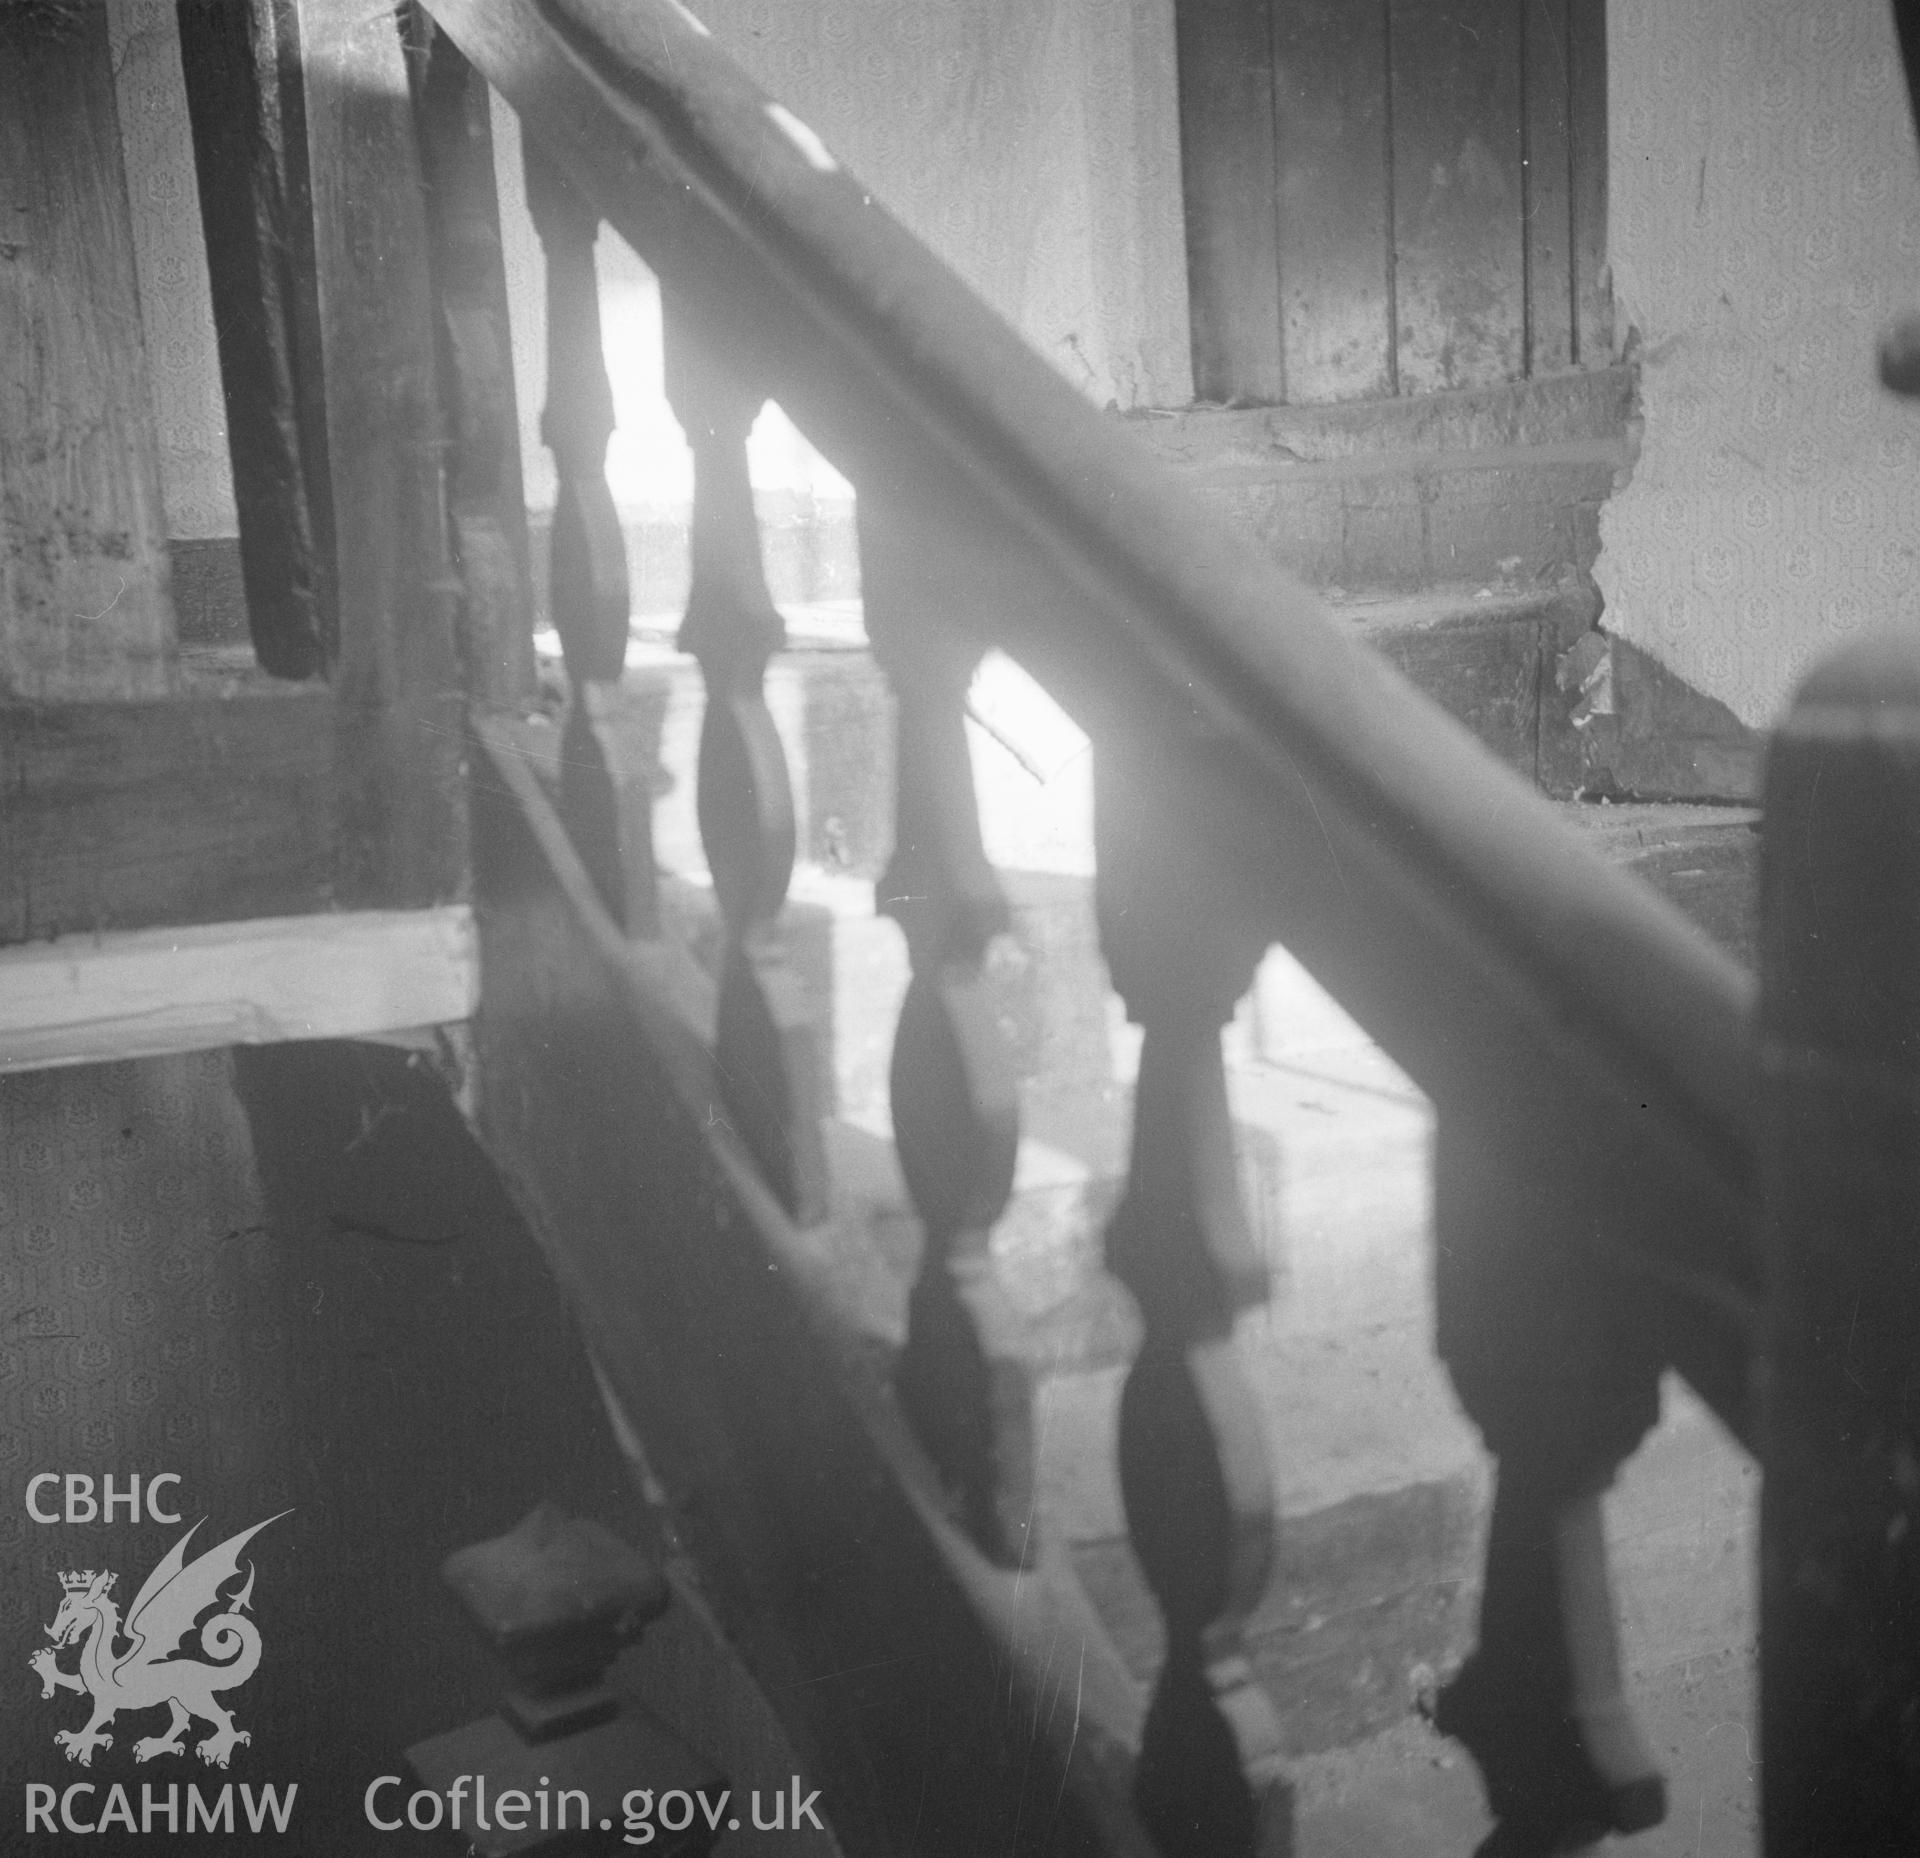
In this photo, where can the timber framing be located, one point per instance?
(145, 993)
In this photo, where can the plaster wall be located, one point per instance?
(1764, 228)
(1033, 144)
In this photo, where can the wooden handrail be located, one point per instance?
(1530, 989)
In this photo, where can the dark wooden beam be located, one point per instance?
(251, 170)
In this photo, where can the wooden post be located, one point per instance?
(1840, 1380)
(397, 677)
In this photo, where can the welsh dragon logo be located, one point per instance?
(145, 1672)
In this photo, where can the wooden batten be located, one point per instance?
(146, 992)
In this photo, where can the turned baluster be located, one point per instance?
(1551, 1363)
(1182, 940)
(960, 1380)
(486, 500)
(606, 790)
(767, 1055)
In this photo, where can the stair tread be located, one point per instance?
(1703, 859)
(1445, 606)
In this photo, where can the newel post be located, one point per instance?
(1840, 1360)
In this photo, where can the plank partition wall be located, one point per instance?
(1386, 197)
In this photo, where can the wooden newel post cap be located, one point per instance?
(557, 1598)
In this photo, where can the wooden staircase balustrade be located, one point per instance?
(1435, 896)
(1258, 779)
(941, 1704)
(946, 1682)
(766, 1051)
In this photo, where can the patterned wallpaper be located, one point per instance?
(1765, 227)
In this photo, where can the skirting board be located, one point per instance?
(142, 993)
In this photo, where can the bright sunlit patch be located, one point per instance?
(781, 457)
(819, 156)
(648, 464)
(699, 25)
(1033, 771)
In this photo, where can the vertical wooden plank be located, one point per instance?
(85, 608)
(1839, 1138)
(303, 308)
(1224, 51)
(1548, 161)
(1587, 118)
(230, 56)
(1334, 198)
(1458, 231)
(398, 681)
